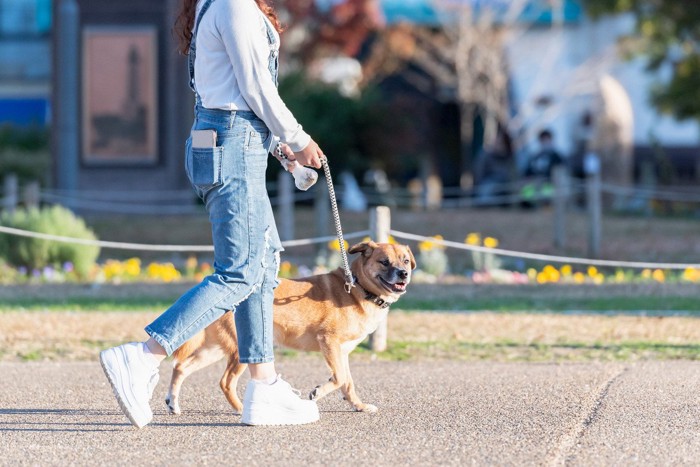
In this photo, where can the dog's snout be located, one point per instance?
(402, 273)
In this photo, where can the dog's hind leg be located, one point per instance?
(334, 359)
(348, 389)
(229, 382)
(202, 357)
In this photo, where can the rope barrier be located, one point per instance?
(542, 257)
(395, 233)
(149, 247)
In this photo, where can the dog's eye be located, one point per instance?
(406, 261)
(385, 262)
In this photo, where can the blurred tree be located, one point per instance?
(465, 59)
(668, 32)
(341, 29)
(355, 132)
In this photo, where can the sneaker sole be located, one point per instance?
(137, 423)
(265, 418)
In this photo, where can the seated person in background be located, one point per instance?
(542, 163)
(539, 167)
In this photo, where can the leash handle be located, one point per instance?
(349, 279)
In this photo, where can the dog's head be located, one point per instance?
(383, 269)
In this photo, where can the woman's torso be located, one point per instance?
(215, 79)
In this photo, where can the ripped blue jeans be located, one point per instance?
(230, 179)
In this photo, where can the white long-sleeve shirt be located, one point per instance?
(232, 67)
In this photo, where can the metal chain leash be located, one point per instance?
(349, 280)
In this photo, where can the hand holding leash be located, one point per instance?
(304, 177)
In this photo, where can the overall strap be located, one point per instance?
(193, 48)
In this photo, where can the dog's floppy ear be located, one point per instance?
(411, 257)
(366, 248)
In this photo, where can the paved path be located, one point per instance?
(431, 413)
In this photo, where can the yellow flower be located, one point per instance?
(542, 278)
(566, 270)
(334, 245)
(473, 239)
(393, 241)
(592, 271)
(579, 278)
(646, 274)
(165, 272)
(551, 273)
(113, 269)
(191, 262)
(691, 275)
(532, 274)
(658, 275)
(285, 267)
(598, 279)
(132, 267)
(619, 275)
(490, 242)
(429, 245)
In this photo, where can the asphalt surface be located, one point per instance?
(430, 413)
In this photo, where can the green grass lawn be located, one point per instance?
(661, 305)
(606, 304)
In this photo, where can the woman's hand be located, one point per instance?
(310, 156)
(287, 158)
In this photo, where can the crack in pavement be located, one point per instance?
(562, 452)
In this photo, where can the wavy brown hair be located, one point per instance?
(185, 22)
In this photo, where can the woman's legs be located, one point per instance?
(246, 246)
(258, 371)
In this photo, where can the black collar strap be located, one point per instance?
(381, 303)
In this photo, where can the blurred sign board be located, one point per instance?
(120, 100)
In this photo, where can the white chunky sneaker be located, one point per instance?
(133, 377)
(276, 404)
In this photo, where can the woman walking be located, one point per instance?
(232, 47)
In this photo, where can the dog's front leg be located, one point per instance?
(334, 359)
(348, 389)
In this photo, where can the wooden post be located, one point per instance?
(560, 178)
(31, 195)
(379, 226)
(10, 192)
(285, 206)
(594, 207)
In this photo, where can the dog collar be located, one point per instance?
(381, 303)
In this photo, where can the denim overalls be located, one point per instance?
(230, 179)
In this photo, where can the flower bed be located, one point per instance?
(432, 258)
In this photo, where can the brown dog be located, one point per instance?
(314, 313)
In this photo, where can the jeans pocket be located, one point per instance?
(206, 166)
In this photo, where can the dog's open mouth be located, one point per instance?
(397, 287)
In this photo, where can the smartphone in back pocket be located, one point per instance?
(203, 139)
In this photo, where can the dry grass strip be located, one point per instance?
(80, 336)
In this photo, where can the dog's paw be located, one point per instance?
(173, 407)
(367, 408)
(315, 394)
